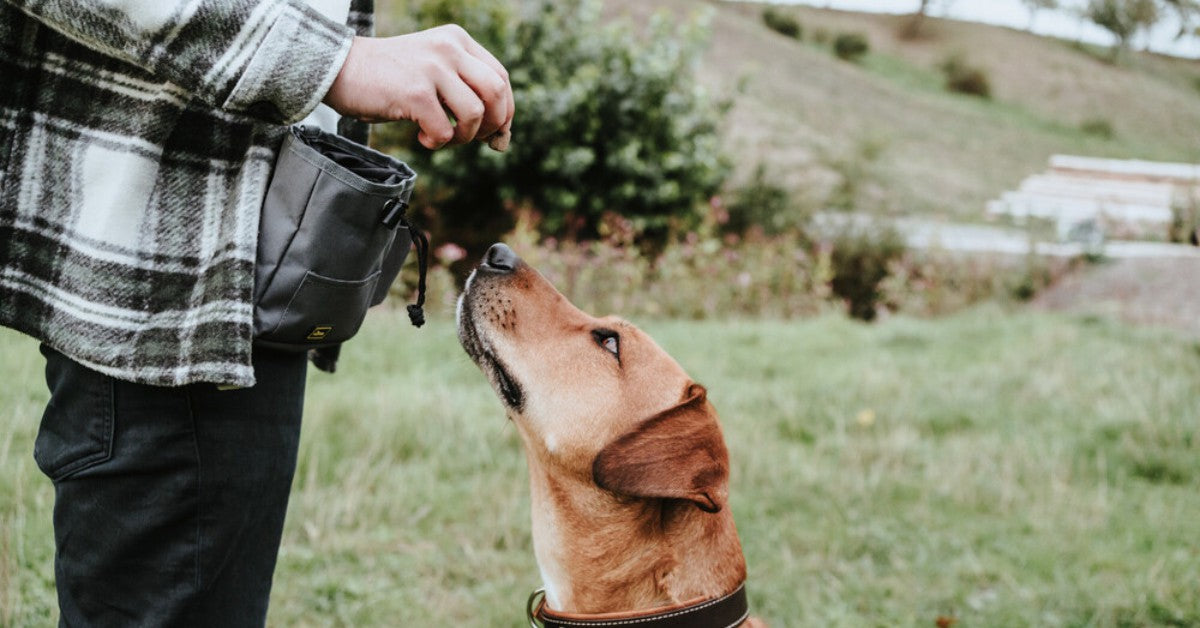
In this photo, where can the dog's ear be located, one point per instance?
(676, 454)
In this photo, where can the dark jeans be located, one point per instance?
(169, 502)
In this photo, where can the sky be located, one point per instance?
(1061, 23)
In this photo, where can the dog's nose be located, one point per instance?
(500, 257)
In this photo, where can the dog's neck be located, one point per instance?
(600, 554)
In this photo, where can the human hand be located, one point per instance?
(427, 77)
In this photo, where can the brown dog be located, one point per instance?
(627, 465)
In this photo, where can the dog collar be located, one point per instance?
(726, 611)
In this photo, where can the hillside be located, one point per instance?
(799, 108)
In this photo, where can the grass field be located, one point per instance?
(998, 467)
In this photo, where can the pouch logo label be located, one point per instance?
(319, 332)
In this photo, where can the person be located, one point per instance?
(138, 139)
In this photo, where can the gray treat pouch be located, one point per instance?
(332, 238)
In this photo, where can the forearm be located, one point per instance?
(273, 59)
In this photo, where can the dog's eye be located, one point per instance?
(609, 339)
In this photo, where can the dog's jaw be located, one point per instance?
(478, 348)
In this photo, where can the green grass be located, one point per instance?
(1004, 468)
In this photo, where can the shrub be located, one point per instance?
(850, 46)
(1099, 127)
(610, 120)
(965, 79)
(763, 205)
(860, 258)
(782, 23)
(1185, 219)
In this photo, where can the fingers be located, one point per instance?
(442, 79)
(481, 53)
(436, 128)
(493, 93)
(464, 104)
(509, 104)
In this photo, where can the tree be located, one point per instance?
(1037, 5)
(1122, 18)
(912, 28)
(1187, 11)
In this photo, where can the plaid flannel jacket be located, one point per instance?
(136, 143)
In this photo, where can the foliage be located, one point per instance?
(696, 277)
(1037, 5)
(782, 23)
(934, 282)
(861, 258)
(963, 78)
(913, 27)
(850, 46)
(1187, 11)
(1122, 18)
(608, 120)
(762, 204)
(1099, 127)
(787, 275)
(1185, 218)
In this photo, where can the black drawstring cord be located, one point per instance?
(394, 216)
(416, 313)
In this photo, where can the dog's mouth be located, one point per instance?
(481, 353)
(509, 390)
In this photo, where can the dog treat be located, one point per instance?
(499, 140)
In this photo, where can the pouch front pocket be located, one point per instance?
(323, 311)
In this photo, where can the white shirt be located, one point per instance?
(338, 11)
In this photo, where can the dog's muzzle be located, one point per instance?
(499, 261)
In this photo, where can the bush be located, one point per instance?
(609, 120)
(1185, 219)
(1099, 127)
(782, 23)
(762, 205)
(850, 46)
(860, 259)
(965, 79)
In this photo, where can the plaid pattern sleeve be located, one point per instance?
(274, 59)
(136, 143)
